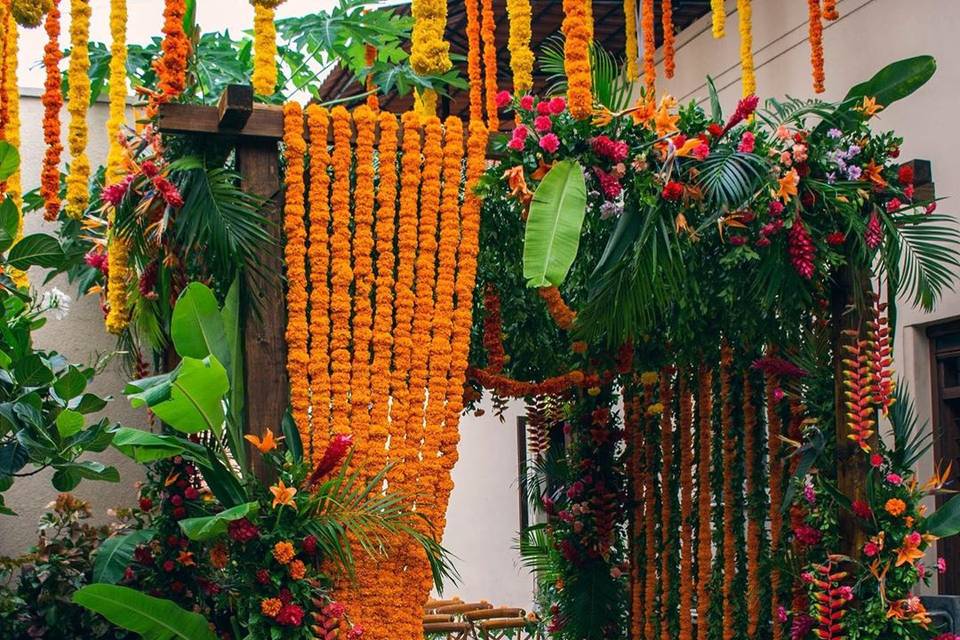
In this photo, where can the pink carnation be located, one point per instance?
(550, 143)
(543, 108)
(526, 102)
(747, 143)
(542, 124)
(557, 105)
(895, 479)
(503, 99)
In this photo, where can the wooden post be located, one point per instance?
(255, 131)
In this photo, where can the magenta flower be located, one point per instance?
(550, 143)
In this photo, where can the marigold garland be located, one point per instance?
(775, 464)
(633, 419)
(264, 49)
(171, 68)
(666, 14)
(650, 521)
(563, 315)
(488, 34)
(341, 274)
(11, 127)
(370, 58)
(745, 14)
(649, 48)
(492, 330)
(29, 13)
(295, 253)
(632, 49)
(704, 500)
(578, 33)
(753, 523)
(429, 51)
(718, 18)
(521, 57)
(474, 72)
(52, 104)
(78, 102)
(318, 124)
(830, 10)
(729, 458)
(816, 45)
(686, 508)
(667, 491)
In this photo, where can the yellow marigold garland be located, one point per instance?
(425, 103)
(52, 104)
(14, 189)
(649, 49)
(429, 50)
(666, 11)
(719, 18)
(474, 71)
(745, 14)
(295, 253)
(117, 249)
(341, 274)
(78, 101)
(577, 33)
(816, 45)
(318, 124)
(521, 57)
(632, 46)
(264, 49)
(488, 32)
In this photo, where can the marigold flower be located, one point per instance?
(78, 196)
(578, 32)
(297, 570)
(270, 607)
(895, 506)
(283, 552)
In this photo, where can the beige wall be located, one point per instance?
(868, 35)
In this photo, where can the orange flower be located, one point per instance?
(664, 121)
(171, 68)
(185, 558)
(870, 107)
(650, 512)
(265, 445)
(474, 71)
(517, 183)
(283, 495)
(649, 48)
(283, 552)
(488, 33)
(816, 44)
(297, 570)
(52, 103)
(830, 10)
(270, 607)
(895, 506)
(563, 315)
(578, 32)
(873, 173)
(632, 48)
(669, 65)
(788, 185)
(219, 557)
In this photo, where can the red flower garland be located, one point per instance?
(52, 104)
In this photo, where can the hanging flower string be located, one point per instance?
(754, 520)
(816, 45)
(488, 31)
(666, 15)
(745, 13)
(429, 51)
(649, 380)
(265, 46)
(686, 508)
(474, 71)
(171, 67)
(521, 57)
(718, 18)
(775, 465)
(78, 101)
(729, 458)
(667, 490)
(649, 49)
(632, 47)
(52, 104)
(118, 273)
(577, 32)
(704, 500)
(830, 10)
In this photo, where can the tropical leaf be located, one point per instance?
(212, 527)
(611, 87)
(794, 111)
(116, 553)
(189, 399)
(730, 177)
(538, 554)
(197, 327)
(921, 256)
(153, 618)
(552, 235)
(945, 521)
(895, 81)
(36, 250)
(911, 440)
(9, 159)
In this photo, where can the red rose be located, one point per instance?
(290, 615)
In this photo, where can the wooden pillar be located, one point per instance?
(255, 131)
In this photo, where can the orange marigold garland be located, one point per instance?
(666, 14)
(578, 33)
(474, 71)
(563, 315)
(295, 253)
(729, 458)
(830, 10)
(753, 521)
(341, 274)
(52, 104)
(649, 48)
(816, 44)
(775, 464)
(488, 32)
(632, 46)
(649, 381)
(686, 508)
(704, 500)
(667, 491)
(318, 124)
(745, 13)
(492, 330)
(78, 194)
(171, 68)
(633, 419)
(370, 58)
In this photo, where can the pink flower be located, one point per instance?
(922, 570)
(701, 151)
(941, 565)
(543, 108)
(799, 152)
(557, 105)
(516, 144)
(807, 535)
(846, 592)
(526, 102)
(876, 460)
(806, 577)
(355, 633)
(871, 549)
(612, 150)
(503, 99)
(809, 494)
(893, 205)
(609, 183)
(894, 479)
(775, 208)
(931, 208)
(747, 143)
(550, 143)
(542, 124)
(781, 614)
(520, 132)
(737, 241)
(115, 193)
(913, 539)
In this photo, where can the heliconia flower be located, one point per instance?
(894, 205)
(336, 451)
(612, 150)
(801, 250)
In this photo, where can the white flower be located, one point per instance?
(56, 301)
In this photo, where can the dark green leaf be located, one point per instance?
(895, 81)
(152, 618)
(291, 437)
(945, 521)
(211, 527)
(38, 250)
(71, 384)
(115, 555)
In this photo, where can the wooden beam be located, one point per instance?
(265, 122)
(235, 107)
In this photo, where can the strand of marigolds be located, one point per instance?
(718, 15)
(816, 44)
(14, 188)
(52, 104)
(117, 247)
(649, 49)
(474, 71)
(830, 10)
(78, 101)
(429, 51)
(4, 94)
(295, 254)
(745, 14)
(562, 315)
(775, 464)
(649, 381)
(686, 507)
(578, 32)
(753, 523)
(666, 15)
(370, 58)
(172, 67)
(667, 491)
(265, 46)
(638, 562)
(318, 124)
(632, 47)
(521, 57)
(729, 457)
(488, 27)
(704, 499)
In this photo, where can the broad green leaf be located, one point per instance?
(69, 422)
(9, 223)
(945, 521)
(9, 160)
(211, 527)
(291, 437)
(223, 484)
(552, 236)
(145, 447)
(33, 371)
(13, 457)
(153, 618)
(189, 399)
(895, 81)
(116, 553)
(71, 384)
(234, 335)
(69, 475)
(89, 403)
(38, 250)
(197, 327)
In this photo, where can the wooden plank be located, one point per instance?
(235, 107)
(265, 122)
(258, 162)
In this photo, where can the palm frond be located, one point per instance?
(921, 256)
(793, 111)
(730, 177)
(611, 87)
(538, 554)
(911, 439)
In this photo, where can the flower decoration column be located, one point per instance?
(52, 105)
(117, 247)
(577, 32)
(265, 46)
(78, 190)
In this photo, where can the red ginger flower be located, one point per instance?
(331, 459)
(745, 109)
(873, 236)
(801, 250)
(609, 183)
(608, 149)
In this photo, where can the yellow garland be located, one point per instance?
(341, 274)
(429, 51)
(117, 249)
(745, 13)
(521, 57)
(295, 257)
(474, 72)
(578, 33)
(264, 50)
(14, 189)
(719, 16)
(632, 47)
(425, 103)
(488, 32)
(78, 101)
(318, 123)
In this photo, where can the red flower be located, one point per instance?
(263, 576)
(893, 205)
(503, 99)
(609, 183)
(873, 236)
(876, 460)
(714, 129)
(778, 367)
(290, 615)
(332, 457)
(115, 193)
(526, 102)
(930, 208)
(905, 174)
(169, 566)
(242, 530)
(550, 143)
(672, 191)
(179, 513)
(801, 250)
(862, 510)
(745, 108)
(149, 168)
(557, 105)
(543, 108)
(775, 208)
(146, 504)
(542, 123)
(836, 238)
(737, 240)
(747, 143)
(191, 493)
(309, 545)
(612, 150)
(807, 535)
